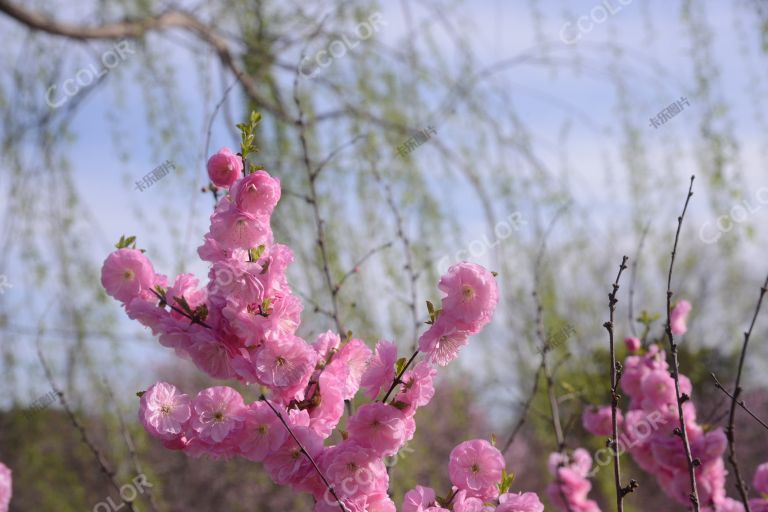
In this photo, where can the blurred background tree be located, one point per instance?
(521, 125)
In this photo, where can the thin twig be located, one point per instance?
(524, 414)
(545, 347)
(305, 452)
(681, 399)
(731, 430)
(129, 443)
(356, 267)
(313, 200)
(633, 278)
(740, 403)
(398, 378)
(100, 459)
(615, 377)
(407, 252)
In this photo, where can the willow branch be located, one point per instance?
(312, 176)
(681, 398)
(100, 459)
(138, 28)
(407, 253)
(633, 279)
(129, 443)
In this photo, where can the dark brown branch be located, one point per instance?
(694, 496)
(740, 403)
(305, 452)
(731, 430)
(615, 376)
(399, 377)
(136, 29)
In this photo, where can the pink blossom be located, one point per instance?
(758, 505)
(125, 273)
(729, 505)
(476, 467)
(211, 355)
(632, 343)
(352, 358)
(381, 370)
(237, 229)
(598, 421)
(285, 362)
(283, 318)
(471, 294)
(443, 340)
(257, 193)
(417, 389)
(418, 499)
(6, 487)
(465, 503)
(224, 168)
(164, 411)
(760, 481)
(658, 390)
(326, 415)
(262, 433)
(354, 470)
(218, 412)
(524, 502)
(679, 316)
(378, 426)
(326, 344)
(288, 464)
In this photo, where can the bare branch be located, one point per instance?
(694, 496)
(615, 377)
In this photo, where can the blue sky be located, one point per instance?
(497, 30)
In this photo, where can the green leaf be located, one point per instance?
(201, 312)
(255, 253)
(493, 439)
(140, 393)
(494, 274)
(506, 481)
(399, 365)
(182, 302)
(126, 242)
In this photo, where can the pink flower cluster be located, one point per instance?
(470, 297)
(647, 431)
(242, 325)
(476, 469)
(759, 484)
(5, 487)
(569, 490)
